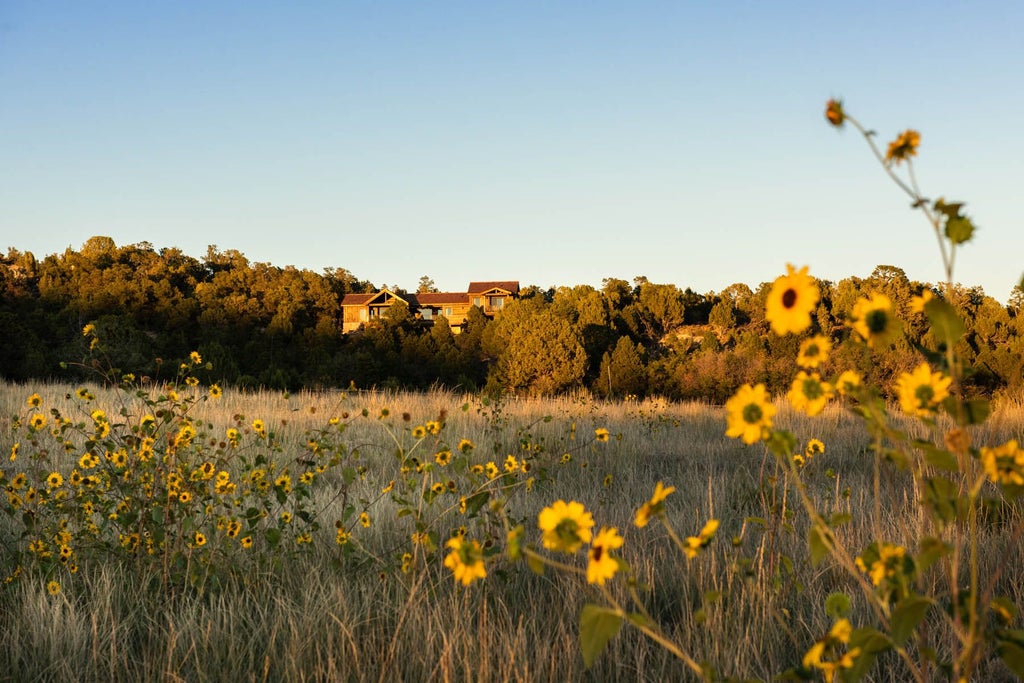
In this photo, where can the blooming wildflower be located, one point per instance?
(491, 469)
(601, 434)
(814, 447)
(389, 487)
(304, 539)
(54, 480)
(246, 542)
(814, 351)
(18, 481)
(653, 506)
(307, 478)
(437, 488)
(34, 401)
(565, 459)
(566, 526)
(442, 458)
(1004, 464)
(364, 520)
(83, 394)
(834, 112)
(286, 517)
(433, 426)
(466, 560)
(694, 544)
(874, 320)
(259, 428)
(838, 635)
(184, 497)
(200, 540)
(791, 301)
(918, 302)
(147, 421)
(234, 528)
(904, 146)
(809, 394)
(192, 381)
(750, 414)
(14, 451)
(848, 382)
(922, 390)
(882, 561)
(799, 461)
(53, 588)
(37, 421)
(465, 445)
(195, 358)
(419, 432)
(88, 329)
(284, 482)
(511, 464)
(602, 566)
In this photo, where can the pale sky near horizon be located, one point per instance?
(553, 143)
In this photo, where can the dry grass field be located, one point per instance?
(750, 606)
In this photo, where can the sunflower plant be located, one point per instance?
(927, 603)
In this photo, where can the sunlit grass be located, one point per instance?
(314, 619)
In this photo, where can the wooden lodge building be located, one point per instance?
(361, 309)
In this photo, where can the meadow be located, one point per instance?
(383, 606)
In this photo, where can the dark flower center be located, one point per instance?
(876, 320)
(752, 413)
(789, 298)
(812, 388)
(924, 394)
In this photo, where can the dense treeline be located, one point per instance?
(262, 325)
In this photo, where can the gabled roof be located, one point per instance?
(366, 299)
(439, 298)
(510, 286)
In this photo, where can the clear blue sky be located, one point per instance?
(553, 143)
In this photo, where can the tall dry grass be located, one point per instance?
(750, 607)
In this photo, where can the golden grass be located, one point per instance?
(315, 620)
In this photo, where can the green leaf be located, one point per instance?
(838, 605)
(535, 564)
(936, 457)
(975, 411)
(273, 536)
(946, 324)
(1012, 654)
(932, 550)
(782, 443)
(908, 614)
(598, 625)
(818, 545)
(959, 229)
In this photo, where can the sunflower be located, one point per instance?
(922, 390)
(834, 112)
(874, 320)
(1004, 464)
(814, 351)
(654, 506)
(53, 588)
(847, 382)
(791, 301)
(602, 565)
(695, 544)
(750, 413)
(904, 146)
(809, 394)
(466, 560)
(566, 526)
(601, 434)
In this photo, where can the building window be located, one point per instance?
(426, 313)
(477, 301)
(363, 314)
(496, 301)
(448, 311)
